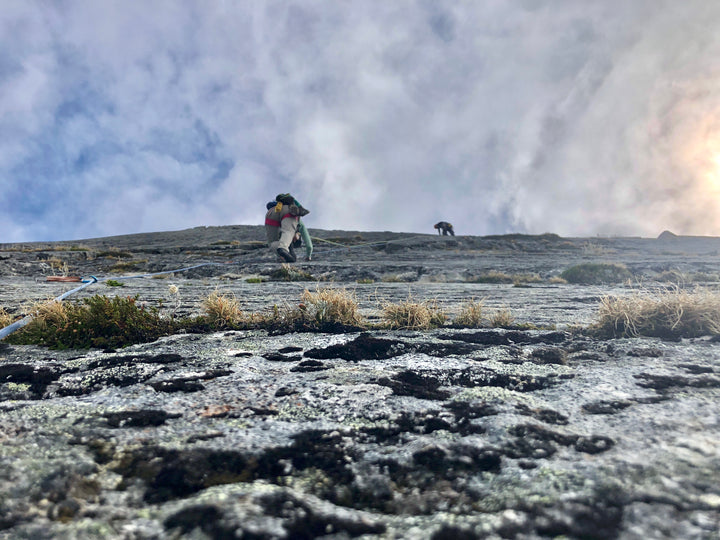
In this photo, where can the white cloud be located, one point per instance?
(575, 117)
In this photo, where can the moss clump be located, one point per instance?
(127, 266)
(289, 273)
(114, 283)
(491, 277)
(596, 273)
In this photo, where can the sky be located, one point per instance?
(573, 117)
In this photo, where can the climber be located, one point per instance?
(444, 228)
(281, 224)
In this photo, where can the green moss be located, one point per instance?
(290, 273)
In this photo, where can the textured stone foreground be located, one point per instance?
(451, 433)
(473, 433)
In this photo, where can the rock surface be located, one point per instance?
(449, 433)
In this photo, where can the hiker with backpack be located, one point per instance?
(281, 224)
(444, 228)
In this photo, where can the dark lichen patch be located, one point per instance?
(510, 337)
(363, 347)
(476, 377)
(548, 416)
(98, 379)
(470, 411)
(177, 385)
(280, 357)
(290, 349)
(645, 352)
(442, 350)
(598, 518)
(206, 519)
(696, 369)
(188, 384)
(595, 444)
(141, 418)
(175, 473)
(540, 437)
(455, 459)
(36, 377)
(307, 366)
(549, 355)
(532, 431)
(611, 406)
(410, 383)
(301, 520)
(668, 382)
(406, 425)
(133, 359)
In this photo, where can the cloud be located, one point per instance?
(574, 117)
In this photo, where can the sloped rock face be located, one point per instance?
(448, 433)
(400, 434)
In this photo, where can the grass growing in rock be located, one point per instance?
(670, 313)
(104, 322)
(5, 318)
(331, 306)
(471, 314)
(411, 315)
(596, 273)
(222, 310)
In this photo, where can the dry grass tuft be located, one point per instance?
(471, 314)
(670, 313)
(503, 318)
(222, 310)
(331, 306)
(49, 312)
(5, 318)
(410, 315)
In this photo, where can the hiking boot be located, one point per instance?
(285, 254)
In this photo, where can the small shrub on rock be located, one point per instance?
(596, 273)
(97, 321)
